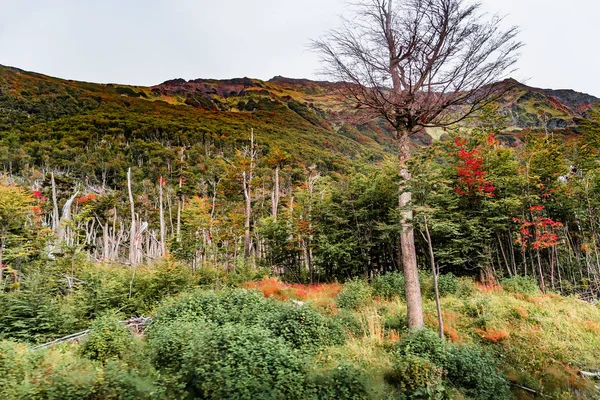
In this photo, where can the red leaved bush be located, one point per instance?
(539, 233)
(471, 175)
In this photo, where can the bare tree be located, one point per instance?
(418, 64)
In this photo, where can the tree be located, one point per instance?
(418, 64)
(15, 205)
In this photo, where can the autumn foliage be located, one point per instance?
(471, 174)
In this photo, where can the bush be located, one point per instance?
(389, 286)
(448, 284)
(476, 373)
(423, 343)
(348, 321)
(304, 328)
(236, 362)
(520, 284)
(416, 377)
(12, 368)
(107, 339)
(355, 294)
(397, 322)
(466, 288)
(34, 314)
(228, 306)
(344, 382)
(120, 382)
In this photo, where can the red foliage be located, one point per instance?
(471, 175)
(540, 233)
(493, 335)
(272, 287)
(38, 195)
(85, 199)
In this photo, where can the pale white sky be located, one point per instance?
(145, 42)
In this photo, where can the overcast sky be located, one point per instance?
(145, 42)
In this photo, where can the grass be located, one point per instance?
(541, 340)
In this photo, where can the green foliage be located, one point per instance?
(356, 293)
(304, 329)
(476, 373)
(236, 362)
(34, 313)
(416, 377)
(108, 339)
(389, 286)
(121, 382)
(448, 284)
(423, 343)
(12, 368)
(342, 382)
(520, 284)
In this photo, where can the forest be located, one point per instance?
(248, 239)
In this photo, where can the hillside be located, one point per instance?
(58, 123)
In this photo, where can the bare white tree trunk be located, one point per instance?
(132, 230)
(163, 246)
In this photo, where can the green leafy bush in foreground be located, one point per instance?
(356, 293)
(520, 284)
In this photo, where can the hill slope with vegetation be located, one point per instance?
(213, 206)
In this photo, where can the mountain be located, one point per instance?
(95, 130)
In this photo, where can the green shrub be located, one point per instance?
(12, 368)
(348, 322)
(120, 382)
(304, 328)
(520, 284)
(466, 288)
(448, 284)
(56, 375)
(397, 322)
(423, 343)
(416, 377)
(168, 341)
(355, 294)
(107, 339)
(476, 373)
(237, 362)
(228, 306)
(478, 308)
(34, 314)
(389, 286)
(343, 382)
(426, 283)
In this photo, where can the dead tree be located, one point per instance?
(418, 64)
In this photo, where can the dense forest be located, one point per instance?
(189, 201)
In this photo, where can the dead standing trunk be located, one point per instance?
(132, 230)
(276, 193)
(163, 246)
(407, 237)
(435, 280)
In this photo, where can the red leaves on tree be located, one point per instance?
(38, 195)
(471, 175)
(540, 233)
(85, 199)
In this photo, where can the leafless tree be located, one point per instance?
(418, 64)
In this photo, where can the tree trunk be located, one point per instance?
(276, 193)
(163, 246)
(132, 231)
(407, 239)
(55, 214)
(2, 242)
(435, 281)
(247, 177)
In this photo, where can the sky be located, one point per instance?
(145, 42)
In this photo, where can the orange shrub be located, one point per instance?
(493, 335)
